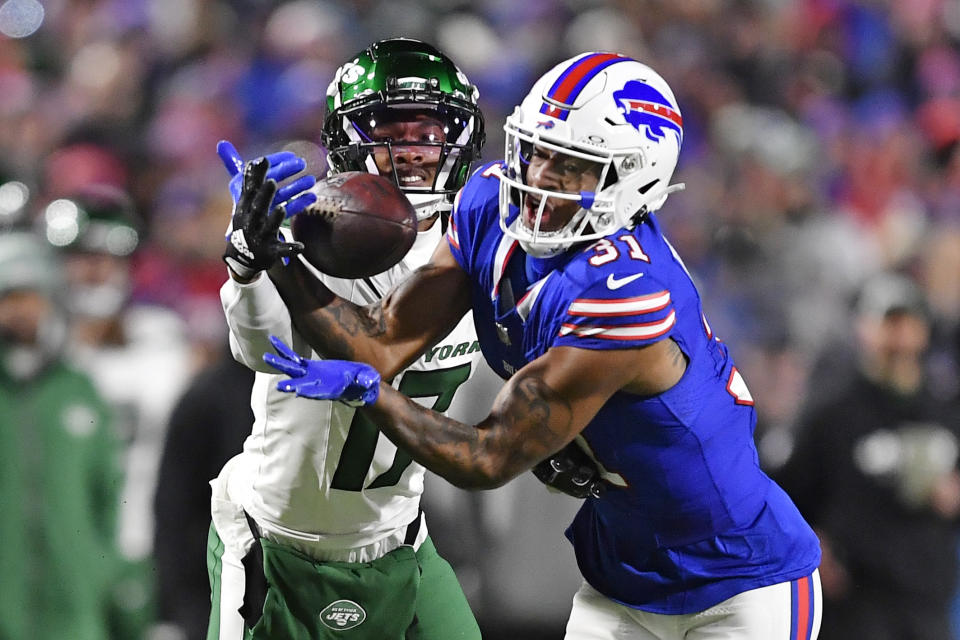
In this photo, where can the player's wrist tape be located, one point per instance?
(239, 256)
(244, 272)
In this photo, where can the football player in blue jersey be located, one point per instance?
(582, 304)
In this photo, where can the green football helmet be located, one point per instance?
(402, 109)
(97, 219)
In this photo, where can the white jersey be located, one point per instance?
(142, 379)
(319, 471)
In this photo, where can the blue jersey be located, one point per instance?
(689, 519)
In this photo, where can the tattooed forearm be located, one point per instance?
(388, 334)
(332, 330)
(329, 323)
(528, 423)
(538, 417)
(532, 406)
(354, 320)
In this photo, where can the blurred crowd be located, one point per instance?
(821, 147)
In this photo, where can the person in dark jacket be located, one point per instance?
(207, 428)
(875, 471)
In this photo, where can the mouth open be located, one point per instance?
(530, 209)
(413, 178)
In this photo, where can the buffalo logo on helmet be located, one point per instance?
(644, 106)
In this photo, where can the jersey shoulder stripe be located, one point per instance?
(452, 236)
(606, 307)
(619, 301)
(646, 331)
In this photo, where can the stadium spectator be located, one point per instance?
(60, 473)
(138, 357)
(207, 427)
(875, 471)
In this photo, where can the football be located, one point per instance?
(360, 225)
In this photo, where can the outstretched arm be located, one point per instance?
(542, 408)
(530, 420)
(388, 334)
(253, 308)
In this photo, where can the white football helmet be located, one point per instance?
(604, 108)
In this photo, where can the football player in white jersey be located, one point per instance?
(316, 526)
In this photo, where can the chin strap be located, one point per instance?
(427, 204)
(679, 186)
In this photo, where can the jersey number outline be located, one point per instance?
(606, 251)
(361, 443)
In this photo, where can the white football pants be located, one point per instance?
(783, 611)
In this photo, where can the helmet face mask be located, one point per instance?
(612, 117)
(403, 110)
(549, 216)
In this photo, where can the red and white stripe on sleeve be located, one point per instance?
(641, 313)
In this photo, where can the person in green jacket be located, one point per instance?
(59, 471)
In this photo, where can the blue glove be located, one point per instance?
(293, 196)
(352, 383)
(283, 165)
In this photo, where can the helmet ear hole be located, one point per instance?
(637, 216)
(611, 178)
(351, 156)
(642, 190)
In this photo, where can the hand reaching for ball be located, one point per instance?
(254, 242)
(282, 165)
(350, 225)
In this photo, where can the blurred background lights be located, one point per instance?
(96, 65)
(13, 197)
(120, 241)
(63, 223)
(20, 18)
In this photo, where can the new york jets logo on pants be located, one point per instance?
(342, 614)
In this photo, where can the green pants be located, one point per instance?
(404, 595)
